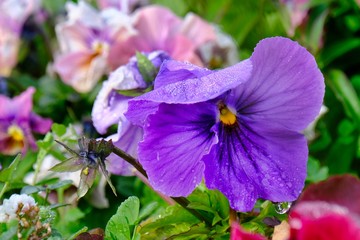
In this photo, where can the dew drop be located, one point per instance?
(282, 207)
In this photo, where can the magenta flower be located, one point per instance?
(157, 28)
(12, 17)
(86, 39)
(239, 128)
(110, 106)
(237, 233)
(328, 210)
(17, 121)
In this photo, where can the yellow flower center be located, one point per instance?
(99, 47)
(227, 117)
(16, 133)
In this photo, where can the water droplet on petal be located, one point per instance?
(282, 207)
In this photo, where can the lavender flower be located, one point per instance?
(239, 128)
(110, 106)
(17, 121)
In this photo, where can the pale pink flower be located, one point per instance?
(85, 40)
(13, 14)
(157, 28)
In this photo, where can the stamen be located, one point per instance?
(227, 117)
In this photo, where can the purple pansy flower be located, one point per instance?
(239, 128)
(110, 106)
(17, 121)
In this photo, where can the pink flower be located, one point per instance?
(297, 11)
(86, 39)
(17, 121)
(329, 210)
(157, 28)
(12, 17)
(237, 233)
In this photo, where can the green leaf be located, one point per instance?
(148, 210)
(315, 172)
(60, 184)
(346, 94)
(121, 225)
(6, 175)
(58, 129)
(338, 49)
(31, 189)
(146, 68)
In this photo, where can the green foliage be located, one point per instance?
(122, 224)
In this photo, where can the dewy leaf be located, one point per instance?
(121, 225)
(146, 68)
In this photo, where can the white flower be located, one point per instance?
(16, 205)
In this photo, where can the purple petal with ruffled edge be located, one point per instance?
(286, 88)
(174, 142)
(193, 90)
(251, 163)
(173, 71)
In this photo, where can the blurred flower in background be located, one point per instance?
(157, 28)
(17, 122)
(296, 11)
(111, 104)
(86, 40)
(328, 210)
(12, 17)
(125, 6)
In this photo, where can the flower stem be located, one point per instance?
(182, 201)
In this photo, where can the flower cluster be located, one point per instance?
(24, 209)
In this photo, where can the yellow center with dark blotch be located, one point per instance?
(16, 140)
(227, 117)
(15, 133)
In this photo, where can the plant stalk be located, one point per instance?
(182, 201)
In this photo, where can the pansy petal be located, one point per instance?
(174, 71)
(108, 110)
(251, 163)
(81, 70)
(192, 90)
(19, 107)
(286, 88)
(175, 140)
(148, 21)
(126, 139)
(39, 124)
(197, 29)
